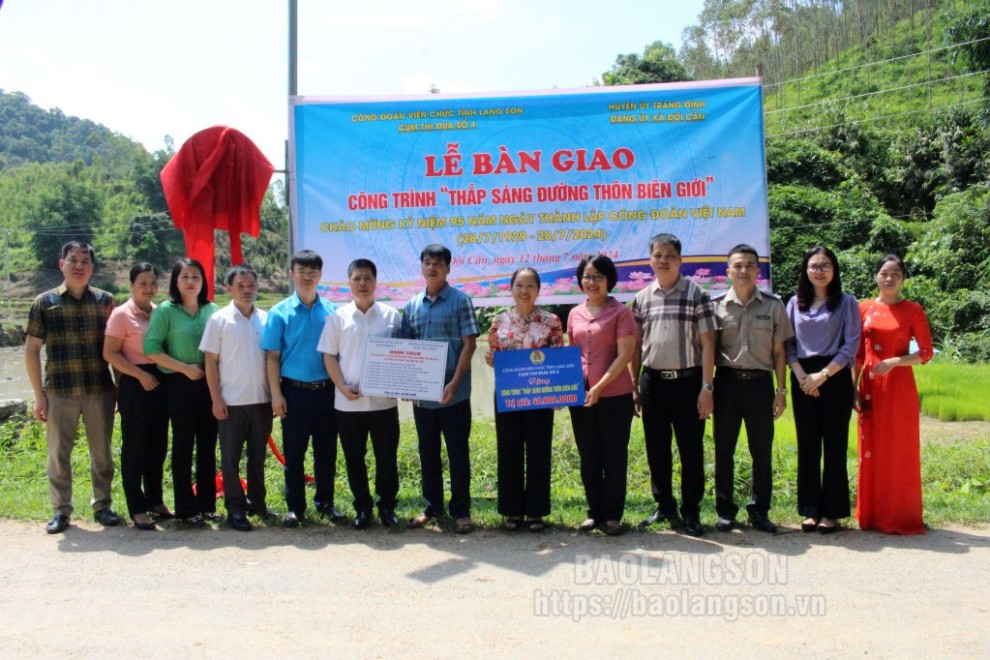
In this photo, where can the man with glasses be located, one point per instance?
(70, 321)
(302, 392)
(442, 313)
(750, 351)
(677, 327)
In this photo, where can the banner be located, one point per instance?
(538, 378)
(530, 179)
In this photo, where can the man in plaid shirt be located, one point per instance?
(69, 321)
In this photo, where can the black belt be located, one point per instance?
(315, 385)
(673, 374)
(742, 374)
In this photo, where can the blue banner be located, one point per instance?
(530, 179)
(538, 378)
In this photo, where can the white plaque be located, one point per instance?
(404, 368)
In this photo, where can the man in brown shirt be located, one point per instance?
(70, 321)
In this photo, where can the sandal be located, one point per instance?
(463, 526)
(827, 529)
(613, 528)
(535, 525)
(511, 524)
(419, 521)
(162, 512)
(809, 525)
(588, 525)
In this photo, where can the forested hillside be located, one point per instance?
(877, 140)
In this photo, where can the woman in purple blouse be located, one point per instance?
(821, 354)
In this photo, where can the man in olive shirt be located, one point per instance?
(70, 321)
(752, 327)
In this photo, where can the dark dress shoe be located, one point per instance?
(290, 520)
(388, 517)
(692, 527)
(194, 521)
(57, 524)
(724, 524)
(613, 528)
(107, 518)
(329, 512)
(362, 520)
(213, 517)
(239, 522)
(262, 512)
(763, 524)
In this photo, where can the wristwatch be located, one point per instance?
(825, 373)
(708, 387)
(781, 390)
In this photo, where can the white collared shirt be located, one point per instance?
(237, 340)
(345, 335)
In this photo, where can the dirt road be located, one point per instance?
(318, 590)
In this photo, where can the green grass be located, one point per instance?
(954, 392)
(955, 476)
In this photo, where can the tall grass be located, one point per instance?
(954, 392)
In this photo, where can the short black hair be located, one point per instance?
(436, 251)
(363, 263)
(665, 239)
(240, 269)
(306, 259)
(78, 246)
(744, 248)
(142, 267)
(173, 284)
(603, 265)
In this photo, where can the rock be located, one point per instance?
(11, 407)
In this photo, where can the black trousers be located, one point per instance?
(383, 426)
(523, 439)
(670, 410)
(822, 425)
(453, 424)
(310, 415)
(601, 433)
(743, 396)
(193, 427)
(144, 440)
(246, 426)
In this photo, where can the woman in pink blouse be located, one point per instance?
(605, 331)
(523, 436)
(140, 400)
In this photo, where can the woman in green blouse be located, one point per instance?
(172, 342)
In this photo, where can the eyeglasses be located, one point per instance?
(820, 268)
(307, 272)
(593, 278)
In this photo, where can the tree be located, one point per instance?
(658, 64)
(65, 209)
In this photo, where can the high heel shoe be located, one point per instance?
(809, 525)
(827, 529)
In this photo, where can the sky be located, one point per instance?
(151, 68)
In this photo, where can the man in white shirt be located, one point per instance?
(238, 382)
(342, 344)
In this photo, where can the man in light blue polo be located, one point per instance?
(302, 393)
(442, 313)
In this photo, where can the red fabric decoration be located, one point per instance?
(217, 180)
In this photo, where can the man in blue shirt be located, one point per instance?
(302, 393)
(442, 313)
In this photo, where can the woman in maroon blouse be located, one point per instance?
(523, 436)
(605, 331)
